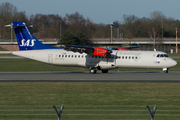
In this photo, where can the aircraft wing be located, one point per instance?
(130, 47)
(96, 51)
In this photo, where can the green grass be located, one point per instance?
(174, 54)
(90, 98)
(5, 54)
(45, 93)
(26, 65)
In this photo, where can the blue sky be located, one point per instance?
(100, 11)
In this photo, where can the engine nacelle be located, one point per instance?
(119, 48)
(123, 49)
(100, 52)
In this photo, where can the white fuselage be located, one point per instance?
(125, 59)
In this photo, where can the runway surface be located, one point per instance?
(87, 77)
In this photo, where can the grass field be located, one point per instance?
(85, 100)
(89, 100)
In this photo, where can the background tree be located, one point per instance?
(78, 38)
(155, 21)
(48, 26)
(7, 15)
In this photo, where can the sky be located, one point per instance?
(100, 11)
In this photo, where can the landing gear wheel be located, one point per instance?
(93, 71)
(165, 70)
(104, 71)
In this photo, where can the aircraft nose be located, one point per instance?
(174, 63)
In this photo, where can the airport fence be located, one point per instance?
(87, 112)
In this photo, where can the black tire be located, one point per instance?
(92, 71)
(104, 71)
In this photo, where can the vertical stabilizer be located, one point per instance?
(26, 41)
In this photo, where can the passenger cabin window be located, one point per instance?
(72, 56)
(59, 55)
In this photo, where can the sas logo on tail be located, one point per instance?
(27, 43)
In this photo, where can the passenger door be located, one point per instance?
(50, 58)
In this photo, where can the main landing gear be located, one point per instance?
(165, 70)
(93, 70)
(104, 71)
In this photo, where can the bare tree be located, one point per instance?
(155, 21)
(128, 19)
(157, 15)
(7, 15)
(154, 32)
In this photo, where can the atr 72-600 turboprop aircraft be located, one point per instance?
(93, 58)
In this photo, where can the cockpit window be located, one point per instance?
(165, 55)
(162, 55)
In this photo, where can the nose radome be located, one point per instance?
(173, 62)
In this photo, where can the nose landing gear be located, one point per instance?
(165, 70)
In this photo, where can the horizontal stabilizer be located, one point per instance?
(18, 24)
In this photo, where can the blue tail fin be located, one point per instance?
(26, 41)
